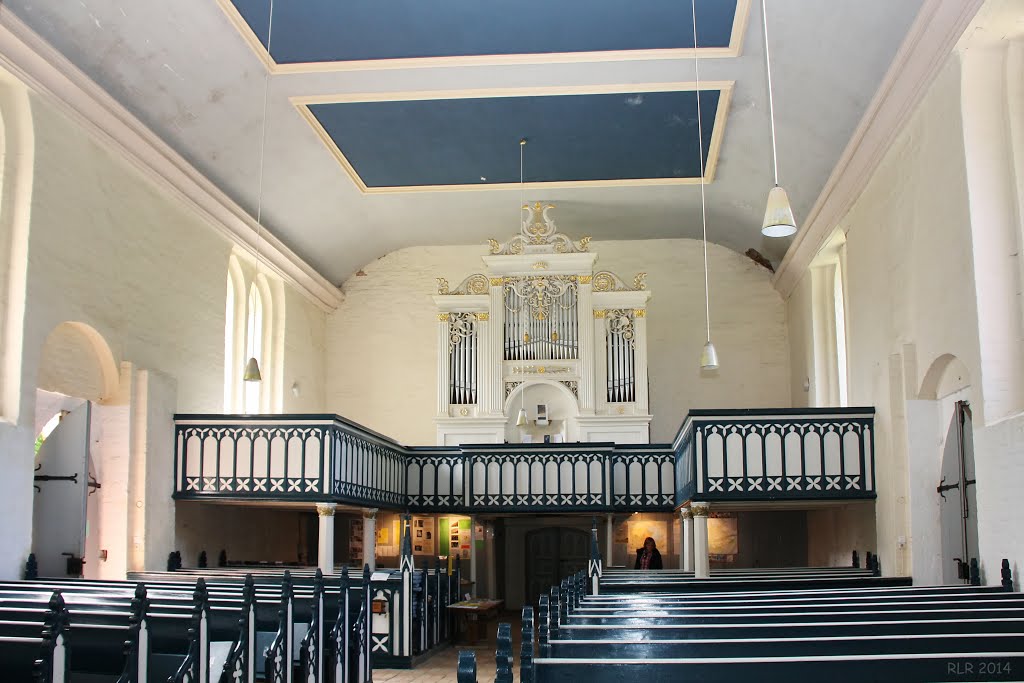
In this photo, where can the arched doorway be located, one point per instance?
(946, 387)
(552, 554)
(551, 412)
(77, 374)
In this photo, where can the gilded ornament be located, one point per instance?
(699, 509)
(600, 313)
(585, 279)
(640, 282)
(461, 327)
(540, 265)
(541, 370)
(442, 286)
(476, 284)
(497, 281)
(464, 412)
(483, 317)
(604, 282)
(639, 312)
(584, 244)
(495, 247)
(442, 317)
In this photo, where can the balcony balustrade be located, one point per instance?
(718, 455)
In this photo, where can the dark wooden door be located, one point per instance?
(552, 554)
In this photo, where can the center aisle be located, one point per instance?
(442, 667)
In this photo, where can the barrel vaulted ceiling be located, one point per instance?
(395, 123)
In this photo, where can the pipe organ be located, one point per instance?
(540, 327)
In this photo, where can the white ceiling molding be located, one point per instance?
(930, 41)
(40, 67)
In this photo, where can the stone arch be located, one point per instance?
(946, 375)
(77, 361)
(513, 400)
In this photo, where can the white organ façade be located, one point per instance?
(541, 330)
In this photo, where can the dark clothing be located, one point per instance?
(655, 561)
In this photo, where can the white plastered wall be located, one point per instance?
(108, 248)
(382, 341)
(933, 270)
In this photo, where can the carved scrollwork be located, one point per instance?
(474, 284)
(620, 322)
(539, 231)
(461, 326)
(540, 294)
(573, 386)
(607, 281)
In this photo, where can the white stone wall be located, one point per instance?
(924, 248)
(111, 250)
(382, 341)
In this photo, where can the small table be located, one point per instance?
(477, 612)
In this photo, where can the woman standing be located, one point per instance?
(648, 557)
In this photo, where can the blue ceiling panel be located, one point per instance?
(352, 30)
(572, 138)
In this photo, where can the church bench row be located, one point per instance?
(934, 633)
(209, 641)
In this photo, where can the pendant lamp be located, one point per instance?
(252, 366)
(709, 356)
(778, 215)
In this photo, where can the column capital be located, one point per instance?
(685, 513)
(370, 513)
(699, 509)
(326, 509)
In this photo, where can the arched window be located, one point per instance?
(230, 357)
(235, 315)
(254, 348)
(840, 311)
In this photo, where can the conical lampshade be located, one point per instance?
(521, 420)
(252, 371)
(709, 357)
(778, 216)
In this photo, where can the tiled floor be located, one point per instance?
(442, 667)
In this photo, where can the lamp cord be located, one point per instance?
(700, 147)
(263, 136)
(771, 101)
(522, 188)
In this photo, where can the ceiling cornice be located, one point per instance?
(930, 41)
(43, 69)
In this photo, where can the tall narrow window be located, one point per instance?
(254, 347)
(840, 309)
(230, 360)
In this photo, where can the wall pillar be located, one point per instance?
(485, 391)
(702, 568)
(686, 540)
(496, 341)
(584, 307)
(600, 355)
(640, 359)
(443, 367)
(325, 552)
(370, 538)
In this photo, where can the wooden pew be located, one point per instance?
(37, 650)
(923, 633)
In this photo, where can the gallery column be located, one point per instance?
(370, 538)
(701, 568)
(325, 547)
(686, 540)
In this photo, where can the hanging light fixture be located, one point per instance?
(708, 357)
(252, 366)
(778, 215)
(521, 420)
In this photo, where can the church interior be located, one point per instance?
(437, 306)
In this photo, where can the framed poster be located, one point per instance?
(423, 535)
